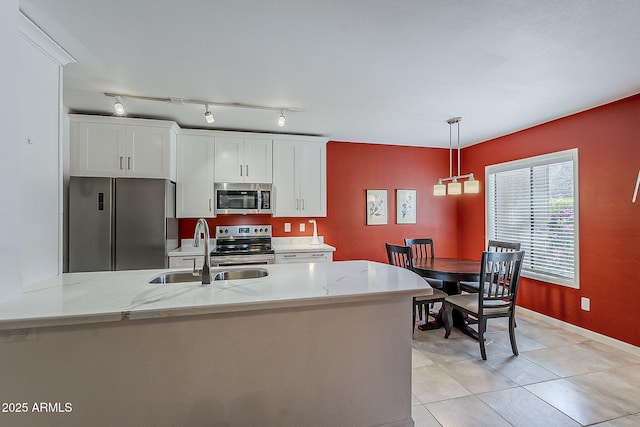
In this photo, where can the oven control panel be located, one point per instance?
(236, 231)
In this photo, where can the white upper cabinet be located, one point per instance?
(243, 159)
(300, 178)
(122, 147)
(195, 175)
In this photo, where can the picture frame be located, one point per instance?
(406, 201)
(377, 207)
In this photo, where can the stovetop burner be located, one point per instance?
(243, 240)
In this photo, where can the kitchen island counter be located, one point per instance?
(317, 344)
(79, 298)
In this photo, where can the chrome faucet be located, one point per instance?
(206, 268)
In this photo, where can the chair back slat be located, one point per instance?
(421, 248)
(501, 271)
(400, 256)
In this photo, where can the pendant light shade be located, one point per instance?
(439, 189)
(472, 186)
(454, 188)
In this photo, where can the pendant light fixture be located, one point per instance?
(454, 187)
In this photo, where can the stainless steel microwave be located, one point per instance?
(232, 198)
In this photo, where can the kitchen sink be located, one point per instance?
(243, 273)
(187, 276)
(175, 277)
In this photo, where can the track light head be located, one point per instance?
(281, 119)
(118, 107)
(208, 116)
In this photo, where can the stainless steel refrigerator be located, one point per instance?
(121, 223)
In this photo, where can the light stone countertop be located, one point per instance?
(280, 245)
(83, 298)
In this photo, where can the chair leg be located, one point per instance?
(413, 323)
(512, 334)
(482, 327)
(447, 313)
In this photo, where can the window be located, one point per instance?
(534, 201)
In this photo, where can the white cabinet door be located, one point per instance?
(149, 152)
(98, 149)
(195, 175)
(243, 160)
(258, 159)
(299, 178)
(122, 147)
(229, 159)
(286, 189)
(312, 161)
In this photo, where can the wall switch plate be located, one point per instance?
(585, 304)
(302, 226)
(287, 227)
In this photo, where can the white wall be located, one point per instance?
(10, 281)
(40, 172)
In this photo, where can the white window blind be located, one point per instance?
(534, 201)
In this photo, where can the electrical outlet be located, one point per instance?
(585, 304)
(302, 226)
(287, 227)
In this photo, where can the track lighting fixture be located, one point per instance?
(118, 107)
(207, 114)
(455, 187)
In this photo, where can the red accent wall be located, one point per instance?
(608, 142)
(351, 169)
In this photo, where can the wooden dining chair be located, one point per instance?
(493, 246)
(501, 273)
(401, 256)
(423, 248)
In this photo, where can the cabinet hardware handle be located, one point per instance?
(129, 163)
(302, 204)
(297, 204)
(121, 158)
(290, 256)
(322, 255)
(246, 167)
(209, 204)
(240, 170)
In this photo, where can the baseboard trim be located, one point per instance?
(620, 345)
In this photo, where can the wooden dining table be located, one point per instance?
(451, 271)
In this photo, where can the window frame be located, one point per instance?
(545, 159)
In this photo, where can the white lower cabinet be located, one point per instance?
(195, 175)
(186, 261)
(300, 257)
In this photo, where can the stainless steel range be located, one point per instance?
(242, 245)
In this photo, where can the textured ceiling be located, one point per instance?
(374, 71)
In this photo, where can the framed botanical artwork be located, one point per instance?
(406, 206)
(376, 207)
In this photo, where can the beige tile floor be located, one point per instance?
(559, 379)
